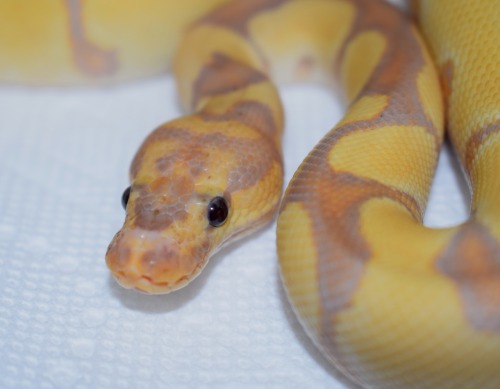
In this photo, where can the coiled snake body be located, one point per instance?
(390, 302)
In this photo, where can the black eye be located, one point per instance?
(217, 211)
(125, 197)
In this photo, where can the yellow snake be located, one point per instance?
(389, 301)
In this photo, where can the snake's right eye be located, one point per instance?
(218, 210)
(125, 197)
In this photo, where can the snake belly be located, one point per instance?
(390, 302)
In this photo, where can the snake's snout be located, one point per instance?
(150, 263)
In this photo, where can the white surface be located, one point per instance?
(64, 158)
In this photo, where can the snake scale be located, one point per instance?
(390, 302)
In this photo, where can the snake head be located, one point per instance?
(192, 192)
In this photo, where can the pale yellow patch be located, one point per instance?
(298, 261)
(402, 157)
(362, 56)
(365, 108)
(406, 320)
(34, 42)
(302, 30)
(388, 227)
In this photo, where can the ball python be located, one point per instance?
(390, 302)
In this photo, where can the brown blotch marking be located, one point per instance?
(149, 216)
(156, 206)
(397, 73)
(253, 157)
(88, 57)
(159, 260)
(235, 15)
(333, 201)
(415, 10)
(475, 141)
(163, 164)
(189, 154)
(472, 262)
(249, 112)
(158, 184)
(182, 186)
(222, 75)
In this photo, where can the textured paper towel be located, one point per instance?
(64, 158)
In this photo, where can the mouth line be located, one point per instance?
(147, 285)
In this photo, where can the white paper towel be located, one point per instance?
(64, 323)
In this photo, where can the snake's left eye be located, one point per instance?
(125, 197)
(218, 210)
